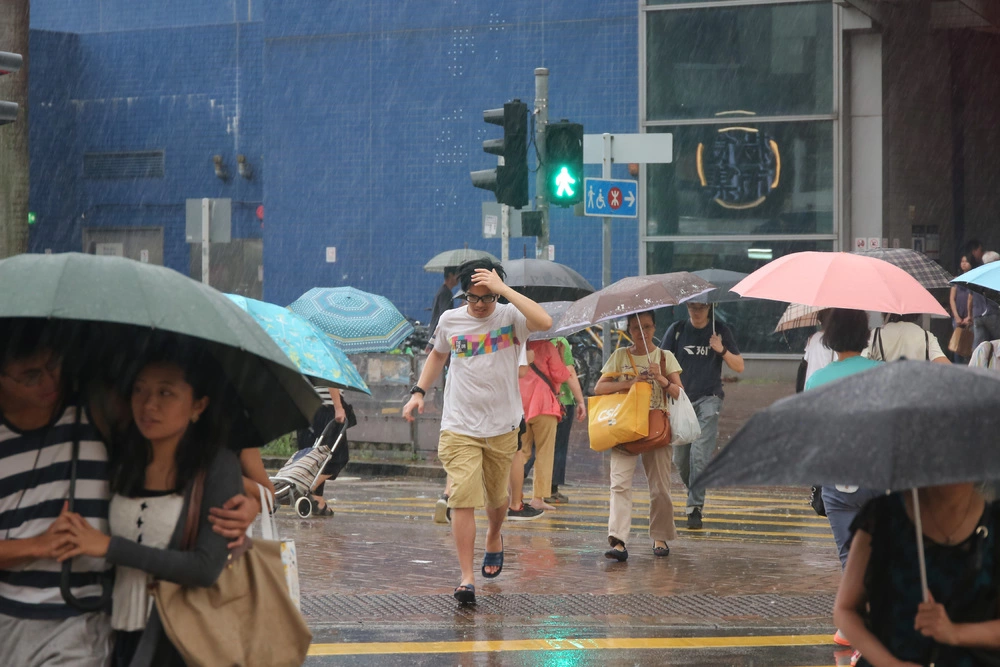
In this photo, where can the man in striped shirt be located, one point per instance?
(38, 421)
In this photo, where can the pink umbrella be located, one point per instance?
(839, 280)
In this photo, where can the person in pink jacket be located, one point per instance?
(542, 412)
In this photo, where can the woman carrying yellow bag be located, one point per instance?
(643, 362)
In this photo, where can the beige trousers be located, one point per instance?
(661, 509)
(541, 433)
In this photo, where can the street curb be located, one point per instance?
(375, 468)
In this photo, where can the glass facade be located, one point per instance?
(767, 59)
(745, 178)
(747, 92)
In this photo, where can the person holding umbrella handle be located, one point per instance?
(701, 345)
(883, 608)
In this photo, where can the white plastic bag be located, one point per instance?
(269, 531)
(683, 421)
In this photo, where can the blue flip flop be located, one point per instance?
(466, 594)
(493, 559)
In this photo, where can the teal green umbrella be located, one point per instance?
(315, 355)
(356, 321)
(117, 291)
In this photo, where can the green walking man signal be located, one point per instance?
(564, 183)
(564, 163)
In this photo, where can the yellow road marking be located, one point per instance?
(598, 644)
(807, 517)
(546, 522)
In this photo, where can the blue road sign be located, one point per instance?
(610, 198)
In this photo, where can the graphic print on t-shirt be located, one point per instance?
(472, 345)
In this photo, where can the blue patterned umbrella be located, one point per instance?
(315, 354)
(356, 321)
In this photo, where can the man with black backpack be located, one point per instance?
(701, 345)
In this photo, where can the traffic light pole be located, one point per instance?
(606, 244)
(504, 232)
(541, 120)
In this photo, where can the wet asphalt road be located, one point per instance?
(754, 587)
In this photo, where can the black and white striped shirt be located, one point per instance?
(34, 483)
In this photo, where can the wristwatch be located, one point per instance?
(415, 389)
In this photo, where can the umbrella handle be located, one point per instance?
(67, 567)
(918, 523)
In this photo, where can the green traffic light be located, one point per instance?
(31, 217)
(564, 182)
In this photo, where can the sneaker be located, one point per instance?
(557, 498)
(694, 519)
(526, 513)
(840, 639)
(441, 510)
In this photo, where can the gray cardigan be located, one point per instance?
(199, 567)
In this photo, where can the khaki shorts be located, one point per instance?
(479, 468)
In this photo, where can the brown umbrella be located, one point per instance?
(633, 295)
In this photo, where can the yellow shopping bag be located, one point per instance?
(617, 418)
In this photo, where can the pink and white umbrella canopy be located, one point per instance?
(839, 280)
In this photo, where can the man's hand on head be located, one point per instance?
(489, 279)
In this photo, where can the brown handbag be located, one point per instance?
(246, 618)
(659, 434)
(659, 425)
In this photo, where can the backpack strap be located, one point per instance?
(878, 341)
(678, 330)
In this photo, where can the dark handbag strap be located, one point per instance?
(545, 378)
(878, 340)
(195, 495)
(927, 346)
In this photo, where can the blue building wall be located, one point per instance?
(368, 115)
(193, 92)
(374, 119)
(86, 16)
(53, 138)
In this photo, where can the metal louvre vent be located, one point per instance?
(122, 165)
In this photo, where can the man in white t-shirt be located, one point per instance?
(482, 406)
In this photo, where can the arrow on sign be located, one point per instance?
(630, 198)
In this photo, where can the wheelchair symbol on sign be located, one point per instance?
(600, 199)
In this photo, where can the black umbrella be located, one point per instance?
(903, 425)
(542, 280)
(723, 281)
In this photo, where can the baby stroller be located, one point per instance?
(293, 485)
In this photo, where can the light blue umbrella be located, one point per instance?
(984, 279)
(315, 354)
(356, 321)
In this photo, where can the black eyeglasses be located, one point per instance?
(32, 377)
(486, 298)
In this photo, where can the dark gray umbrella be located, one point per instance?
(903, 425)
(542, 280)
(723, 281)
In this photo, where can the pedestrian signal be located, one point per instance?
(564, 163)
